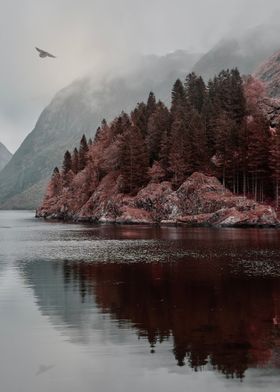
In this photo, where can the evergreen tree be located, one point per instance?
(151, 105)
(223, 146)
(139, 117)
(54, 186)
(75, 161)
(198, 142)
(164, 150)
(83, 153)
(120, 124)
(141, 114)
(97, 135)
(195, 91)
(178, 98)
(209, 118)
(228, 94)
(158, 122)
(238, 100)
(133, 161)
(179, 155)
(67, 163)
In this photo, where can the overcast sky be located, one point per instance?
(91, 34)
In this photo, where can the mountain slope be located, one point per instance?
(78, 109)
(269, 73)
(246, 51)
(5, 156)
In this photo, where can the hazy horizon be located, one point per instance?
(100, 35)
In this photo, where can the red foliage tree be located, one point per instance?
(83, 151)
(158, 123)
(180, 153)
(133, 161)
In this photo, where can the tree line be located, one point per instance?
(218, 128)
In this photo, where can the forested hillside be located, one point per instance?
(218, 129)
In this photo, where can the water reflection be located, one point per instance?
(137, 308)
(210, 314)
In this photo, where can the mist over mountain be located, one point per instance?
(245, 51)
(5, 156)
(80, 108)
(269, 73)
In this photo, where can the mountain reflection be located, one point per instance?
(229, 322)
(211, 317)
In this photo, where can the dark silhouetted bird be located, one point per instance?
(43, 53)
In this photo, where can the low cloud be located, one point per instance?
(97, 35)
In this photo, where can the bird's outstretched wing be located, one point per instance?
(51, 55)
(43, 53)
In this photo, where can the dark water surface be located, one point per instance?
(109, 308)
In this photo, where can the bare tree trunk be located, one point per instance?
(244, 183)
(277, 193)
(256, 187)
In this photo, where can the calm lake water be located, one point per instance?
(110, 308)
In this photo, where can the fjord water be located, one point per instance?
(121, 308)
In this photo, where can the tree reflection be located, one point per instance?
(215, 319)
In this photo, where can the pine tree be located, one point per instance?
(97, 135)
(209, 118)
(198, 142)
(120, 125)
(238, 100)
(133, 161)
(141, 114)
(139, 117)
(179, 155)
(75, 161)
(195, 91)
(164, 150)
(228, 94)
(223, 146)
(83, 153)
(151, 105)
(158, 122)
(54, 186)
(178, 98)
(67, 163)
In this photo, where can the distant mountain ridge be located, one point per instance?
(77, 109)
(5, 156)
(245, 51)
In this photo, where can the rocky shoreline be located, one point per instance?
(200, 201)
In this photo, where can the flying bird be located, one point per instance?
(43, 53)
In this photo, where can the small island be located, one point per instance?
(212, 159)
